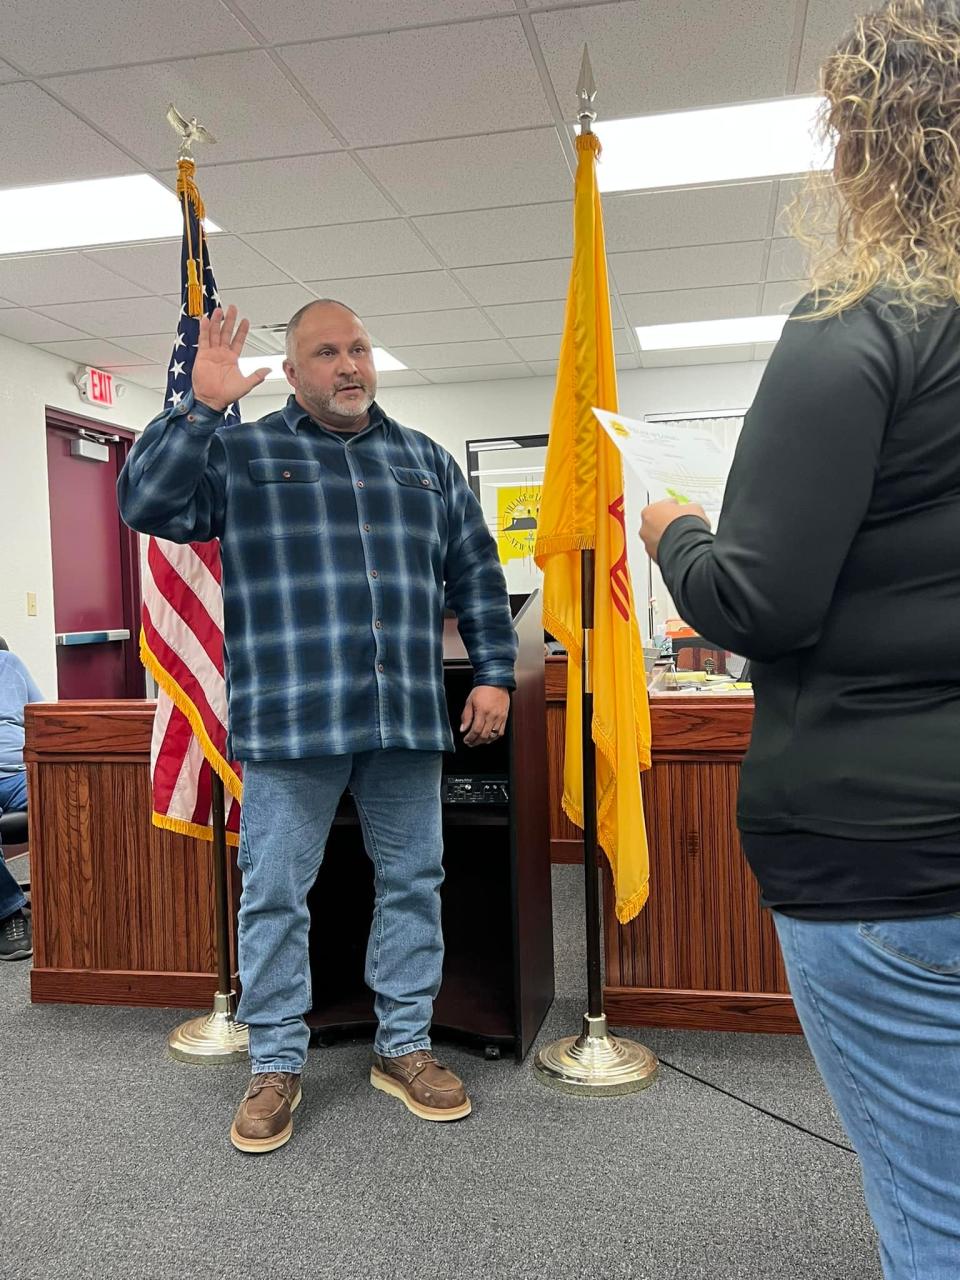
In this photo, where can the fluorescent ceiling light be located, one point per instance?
(721, 144)
(383, 362)
(710, 333)
(99, 211)
(478, 446)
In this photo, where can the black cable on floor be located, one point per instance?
(754, 1107)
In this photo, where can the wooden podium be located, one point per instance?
(497, 920)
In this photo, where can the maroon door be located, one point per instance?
(96, 570)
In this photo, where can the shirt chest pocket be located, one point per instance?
(286, 497)
(421, 503)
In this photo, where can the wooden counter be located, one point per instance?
(123, 912)
(702, 953)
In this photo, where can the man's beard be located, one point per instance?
(327, 403)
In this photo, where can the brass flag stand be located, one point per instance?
(217, 1036)
(593, 1064)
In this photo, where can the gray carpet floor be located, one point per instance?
(117, 1161)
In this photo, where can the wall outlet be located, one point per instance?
(31, 604)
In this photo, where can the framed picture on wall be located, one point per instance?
(506, 474)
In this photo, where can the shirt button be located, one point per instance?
(191, 417)
(366, 528)
(378, 624)
(286, 475)
(374, 574)
(359, 484)
(425, 483)
(379, 666)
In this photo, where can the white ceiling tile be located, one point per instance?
(764, 350)
(525, 232)
(41, 142)
(628, 361)
(827, 22)
(528, 319)
(433, 83)
(544, 368)
(431, 326)
(699, 355)
(7, 72)
(43, 278)
(780, 298)
(46, 36)
(293, 19)
(122, 318)
(105, 355)
(315, 190)
(448, 355)
(155, 347)
(526, 167)
(359, 249)
(692, 304)
(30, 326)
(518, 282)
(788, 260)
(695, 215)
(243, 98)
(386, 295)
(789, 190)
(668, 57)
(400, 378)
(156, 266)
(700, 265)
(479, 373)
(548, 346)
(269, 303)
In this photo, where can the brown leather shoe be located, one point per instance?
(264, 1120)
(422, 1084)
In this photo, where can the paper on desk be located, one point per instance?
(671, 461)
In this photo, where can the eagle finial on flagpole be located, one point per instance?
(190, 131)
(586, 93)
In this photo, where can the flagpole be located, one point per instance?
(217, 1036)
(595, 1063)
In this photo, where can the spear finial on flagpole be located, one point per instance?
(586, 92)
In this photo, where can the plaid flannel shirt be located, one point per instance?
(339, 553)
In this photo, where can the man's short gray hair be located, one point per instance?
(293, 324)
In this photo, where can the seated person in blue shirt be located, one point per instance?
(17, 688)
(343, 535)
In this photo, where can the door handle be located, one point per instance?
(91, 637)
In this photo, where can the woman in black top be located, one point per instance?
(836, 570)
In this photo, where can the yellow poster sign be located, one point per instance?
(518, 514)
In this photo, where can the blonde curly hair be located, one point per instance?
(889, 215)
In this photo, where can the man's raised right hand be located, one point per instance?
(217, 380)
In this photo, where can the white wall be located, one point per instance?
(30, 380)
(454, 413)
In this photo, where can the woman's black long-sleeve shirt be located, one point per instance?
(836, 569)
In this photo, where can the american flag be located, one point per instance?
(181, 638)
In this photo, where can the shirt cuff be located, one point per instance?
(496, 677)
(676, 531)
(197, 418)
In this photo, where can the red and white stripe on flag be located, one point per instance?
(181, 645)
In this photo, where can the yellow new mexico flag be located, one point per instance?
(582, 508)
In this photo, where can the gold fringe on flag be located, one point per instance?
(188, 193)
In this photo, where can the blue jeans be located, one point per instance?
(13, 795)
(880, 1005)
(288, 806)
